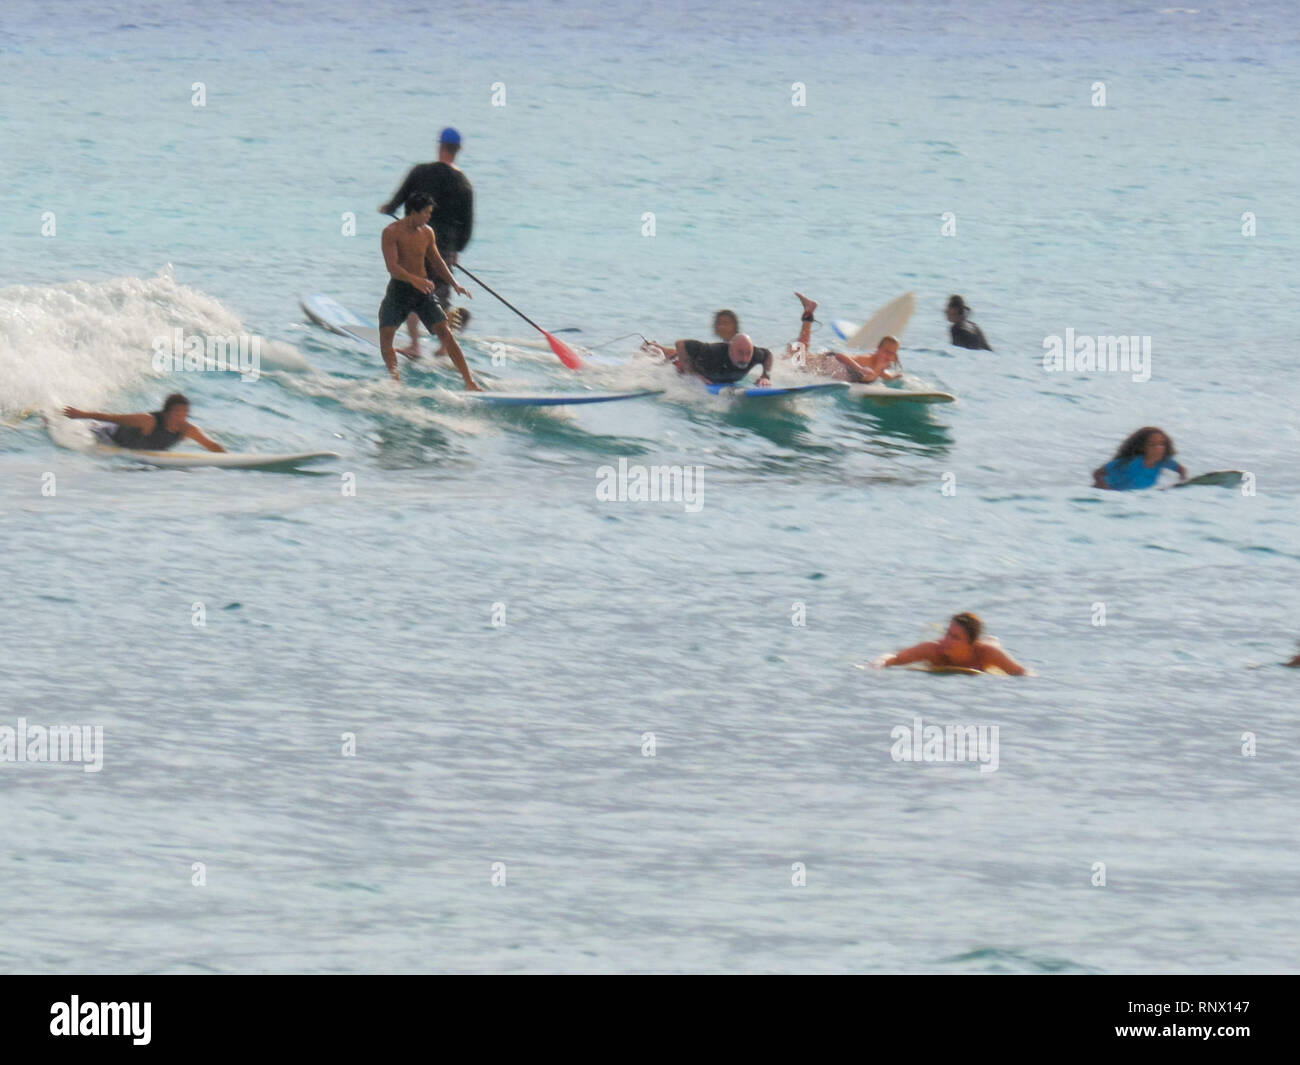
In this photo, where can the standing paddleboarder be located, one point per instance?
(452, 221)
(411, 254)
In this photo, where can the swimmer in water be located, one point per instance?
(881, 365)
(1138, 462)
(962, 648)
(148, 432)
(965, 333)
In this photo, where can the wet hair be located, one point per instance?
(417, 202)
(971, 623)
(1136, 443)
(888, 340)
(958, 304)
(176, 399)
(724, 313)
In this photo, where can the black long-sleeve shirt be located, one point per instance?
(453, 197)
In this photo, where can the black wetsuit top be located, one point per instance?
(967, 334)
(158, 440)
(713, 361)
(453, 198)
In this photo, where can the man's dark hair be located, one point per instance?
(417, 202)
(176, 399)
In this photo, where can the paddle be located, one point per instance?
(558, 346)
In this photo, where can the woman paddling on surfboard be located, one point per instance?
(863, 369)
(1138, 462)
(148, 432)
(960, 648)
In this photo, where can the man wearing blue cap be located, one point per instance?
(452, 222)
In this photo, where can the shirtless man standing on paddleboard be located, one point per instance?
(410, 253)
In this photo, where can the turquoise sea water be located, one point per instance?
(372, 612)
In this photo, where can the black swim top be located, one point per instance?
(160, 439)
(713, 361)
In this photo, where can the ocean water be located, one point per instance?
(645, 716)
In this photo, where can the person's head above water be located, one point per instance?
(419, 203)
(957, 309)
(741, 349)
(964, 630)
(448, 145)
(725, 324)
(175, 412)
(889, 345)
(1149, 443)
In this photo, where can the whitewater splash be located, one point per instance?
(91, 344)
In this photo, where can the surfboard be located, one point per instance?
(885, 394)
(927, 667)
(329, 313)
(963, 671)
(1223, 478)
(553, 399)
(890, 320)
(766, 393)
(232, 460)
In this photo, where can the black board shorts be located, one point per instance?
(401, 299)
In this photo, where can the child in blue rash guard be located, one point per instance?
(1138, 462)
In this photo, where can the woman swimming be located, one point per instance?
(960, 648)
(1138, 462)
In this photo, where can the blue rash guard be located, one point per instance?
(1123, 475)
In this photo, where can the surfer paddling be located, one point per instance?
(723, 363)
(411, 253)
(1138, 462)
(881, 365)
(148, 432)
(960, 648)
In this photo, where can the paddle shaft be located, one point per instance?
(501, 298)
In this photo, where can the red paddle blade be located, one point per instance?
(563, 351)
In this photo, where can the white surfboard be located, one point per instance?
(890, 320)
(232, 460)
(329, 313)
(885, 394)
(1222, 478)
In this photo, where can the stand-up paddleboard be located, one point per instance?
(328, 313)
(231, 460)
(887, 394)
(552, 399)
(1222, 478)
(890, 320)
(764, 393)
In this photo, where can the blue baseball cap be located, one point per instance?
(449, 136)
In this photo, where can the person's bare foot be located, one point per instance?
(412, 352)
(809, 306)
(473, 386)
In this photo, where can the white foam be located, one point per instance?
(90, 344)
